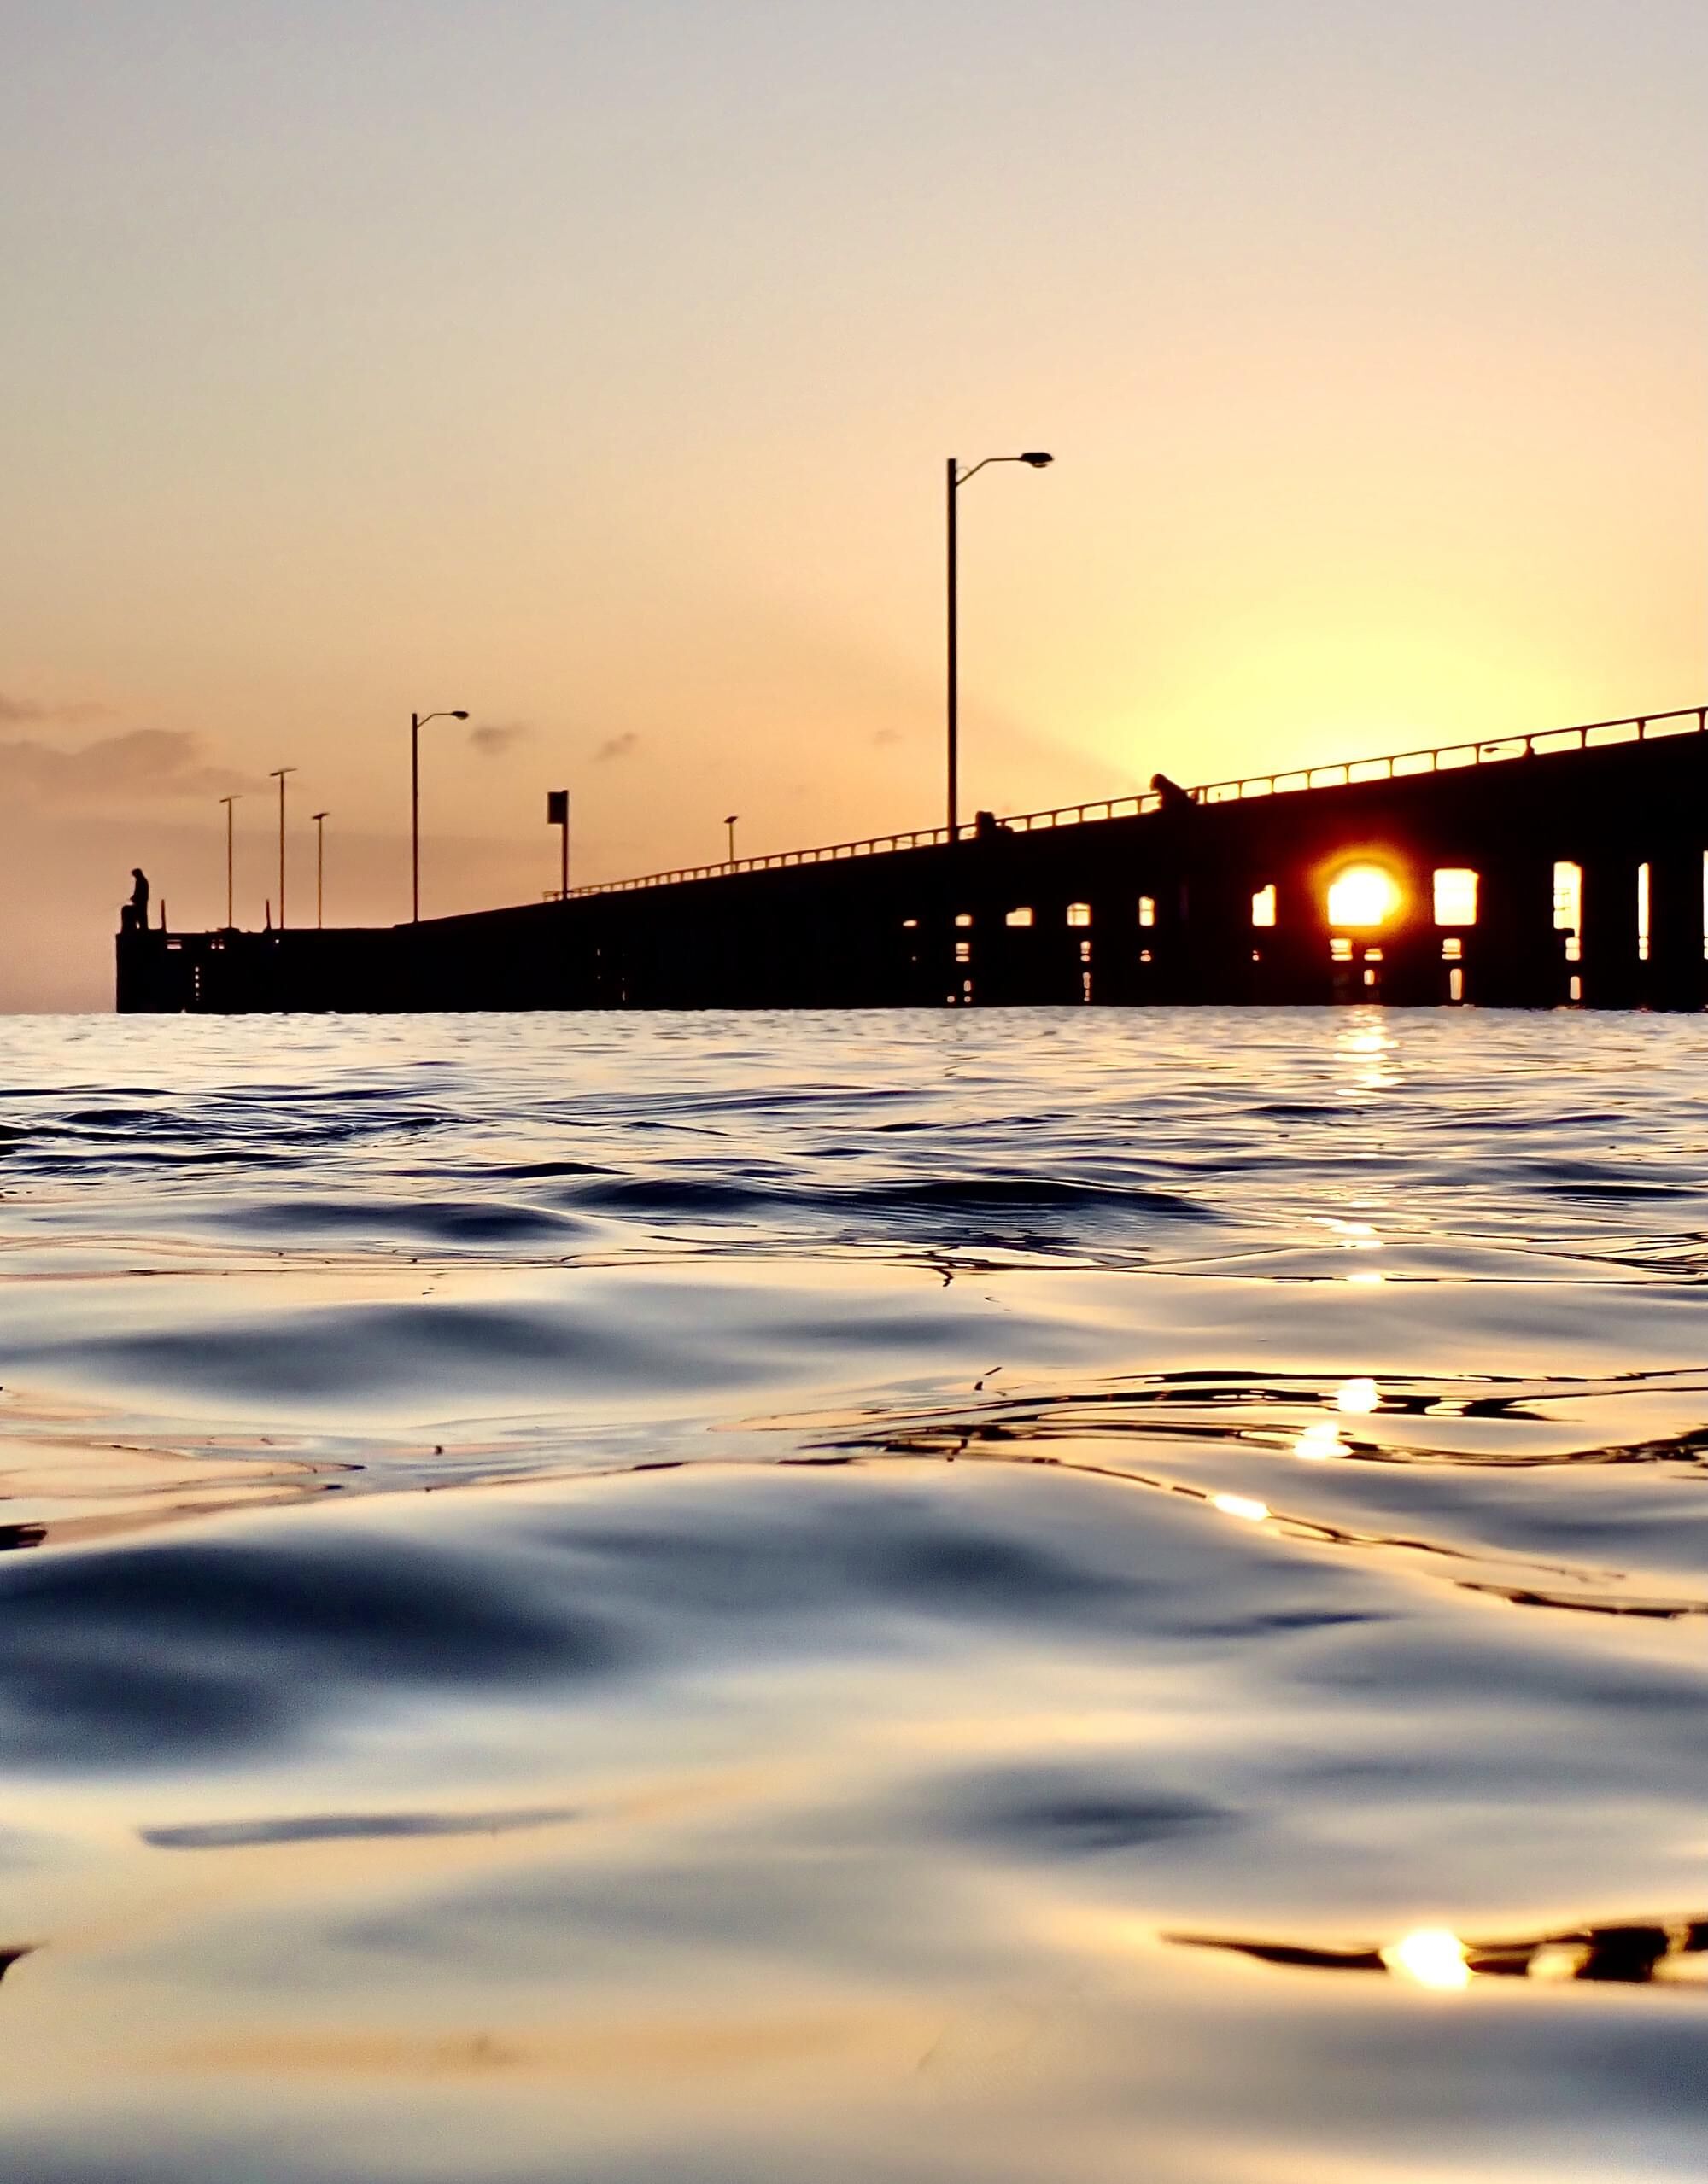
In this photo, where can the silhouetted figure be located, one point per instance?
(1173, 795)
(986, 824)
(135, 917)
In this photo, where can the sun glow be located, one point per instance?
(1362, 896)
(1432, 1956)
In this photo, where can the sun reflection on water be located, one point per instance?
(1431, 1956)
(1365, 1051)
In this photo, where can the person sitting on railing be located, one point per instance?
(1174, 797)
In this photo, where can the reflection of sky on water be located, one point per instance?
(660, 1599)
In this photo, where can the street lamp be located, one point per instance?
(730, 823)
(1035, 459)
(417, 722)
(319, 818)
(277, 774)
(230, 860)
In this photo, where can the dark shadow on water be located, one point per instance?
(346, 1827)
(1071, 1812)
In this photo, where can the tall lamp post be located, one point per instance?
(730, 823)
(319, 818)
(1037, 460)
(277, 774)
(231, 861)
(417, 722)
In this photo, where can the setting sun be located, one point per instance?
(1364, 895)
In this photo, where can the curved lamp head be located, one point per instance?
(460, 716)
(1038, 461)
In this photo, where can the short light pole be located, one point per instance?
(1037, 460)
(730, 823)
(230, 862)
(417, 722)
(319, 818)
(557, 814)
(277, 774)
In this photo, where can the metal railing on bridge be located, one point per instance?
(1591, 735)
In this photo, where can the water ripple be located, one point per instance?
(795, 1596)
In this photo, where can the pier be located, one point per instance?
(1537, 871)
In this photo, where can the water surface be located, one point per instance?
(922, 1597)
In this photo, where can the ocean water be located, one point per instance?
(902, 1599)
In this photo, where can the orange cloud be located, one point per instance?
(141, 763)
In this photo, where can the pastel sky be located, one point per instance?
(593, 366)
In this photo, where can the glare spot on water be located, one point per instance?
(1358, 1397)
(1431, 1956)
(1557, 1960)
(1363, 1050)
(1244, 1506)
(1319, 1442)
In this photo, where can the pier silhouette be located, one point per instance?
(1534, 871)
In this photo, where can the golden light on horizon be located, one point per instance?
(1362, 896)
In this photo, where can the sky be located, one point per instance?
(593, 366)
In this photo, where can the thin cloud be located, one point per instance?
(19, 712)
(492, 739)
(156, 763)
(886, 736)
(622, 746)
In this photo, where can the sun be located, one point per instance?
(1363, 895)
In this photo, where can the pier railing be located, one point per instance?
(1591, 735)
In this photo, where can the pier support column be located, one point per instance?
(1515, 957)
(1676, 966)
(1609, 968)
(1294, 966)
(1219, 933)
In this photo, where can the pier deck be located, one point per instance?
(1586, 843)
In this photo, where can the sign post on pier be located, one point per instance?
(557, 814)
